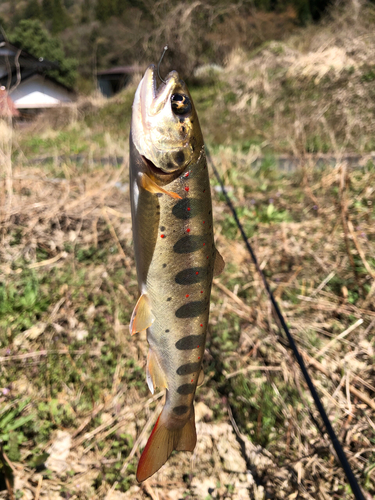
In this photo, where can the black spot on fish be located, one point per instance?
(190, 276)
(162, 228)
(182, 120)
(191, 309)
(180, 410)
(180, 209)
(188, 244)
(159, 195)
(188, 368)
(190, 342)
(166, 331)
(186, 389)
(164, 265)
(169, 298)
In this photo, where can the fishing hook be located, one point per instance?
(159, 63)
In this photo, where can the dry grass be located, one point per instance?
(256, 435)
(72, 381)
(288, 95)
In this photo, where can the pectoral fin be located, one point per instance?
(142, 317)
(149, 185)
(200, 378)
(219, 264)
(154, 373)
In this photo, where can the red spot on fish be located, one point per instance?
(204, 190)
(197, 272)
(207, 256)
(162, 236)
(201, 291)
(204, 222)
(187, 295)
(187, 188)
(201, 325)
(204, 244)
(199, 357)
(186, 174)
(188, 209)
(192, 380)
(197, 346)
(188, 230)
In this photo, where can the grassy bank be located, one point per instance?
(75, 411)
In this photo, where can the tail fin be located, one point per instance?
(162, 442)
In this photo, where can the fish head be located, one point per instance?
(165, 128)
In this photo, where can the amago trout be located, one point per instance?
(175, 255)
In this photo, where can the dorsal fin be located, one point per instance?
(219, 263)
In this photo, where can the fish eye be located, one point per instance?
(181, 104)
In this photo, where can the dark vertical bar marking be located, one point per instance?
(188, 368)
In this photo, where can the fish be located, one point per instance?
(175, 255)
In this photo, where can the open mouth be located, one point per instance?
(163, 177)
(153, 168)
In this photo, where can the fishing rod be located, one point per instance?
(334, 439)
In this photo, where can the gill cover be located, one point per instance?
(165, 127)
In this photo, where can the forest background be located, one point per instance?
(88, 35)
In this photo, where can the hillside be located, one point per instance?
(104, 33)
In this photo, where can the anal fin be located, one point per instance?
(154, 373)
(149, 185)
(219, 263)
(142, 317)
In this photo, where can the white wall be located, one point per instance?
(39, 92)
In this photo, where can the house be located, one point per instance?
(111, 81)
(25, 79)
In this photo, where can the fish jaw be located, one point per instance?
(169, 140)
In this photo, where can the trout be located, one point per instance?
(175, 255)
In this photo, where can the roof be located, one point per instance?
(7, 107)
(120, 70)
(28, 73)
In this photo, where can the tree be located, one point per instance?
(60, 18)
(30, 35)
(32, 10)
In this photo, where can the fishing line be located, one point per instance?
(336, 443)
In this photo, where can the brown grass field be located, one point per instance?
(75, 410)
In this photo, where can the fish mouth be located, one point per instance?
(160, 174)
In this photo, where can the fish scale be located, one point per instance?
(187, 308)
(175, 255)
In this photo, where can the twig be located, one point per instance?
(233, 296)
(38, 488)
(323, 284)
(52, 260)
(113, 233)
(45, 352)
(313, 362)
(254, 368)
(339, 337)
(360, 251)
